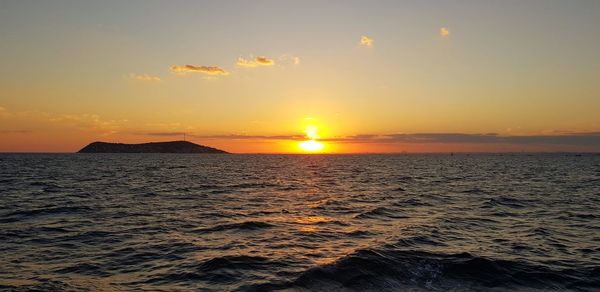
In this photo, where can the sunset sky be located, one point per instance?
(263, 76)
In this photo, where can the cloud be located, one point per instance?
(289, 59)
(211, 70)
(144, 77)
(258, 61)
(88, 122)
(230, 136)
(444, 32)
(256, 137)
(579, 139)
(264, 61)
(165, 134)
(15, 131)
(39, 121)
(7, 114)
(366, 41)
(573, 141)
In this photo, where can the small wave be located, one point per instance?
(378, 213)
(252, 185)
(24, 214)
(40, 285)
(412, 202)
(177, 167)
(246, 225)
(233, 262)
(84, 269)
(505, 201)
(420, 240)
(215, 270)
(358, 233)
(475, 191)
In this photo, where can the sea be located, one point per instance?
(219, 222)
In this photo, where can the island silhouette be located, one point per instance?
(150, 147)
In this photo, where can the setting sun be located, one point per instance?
(311, 146)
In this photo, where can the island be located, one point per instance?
(151, 147)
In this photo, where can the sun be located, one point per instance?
(311, 145)
(311, 132)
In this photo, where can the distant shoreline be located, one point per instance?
(330, 154)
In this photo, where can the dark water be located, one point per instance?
(268, 222)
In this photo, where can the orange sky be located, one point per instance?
(383, 76)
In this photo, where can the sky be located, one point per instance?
(266, 76)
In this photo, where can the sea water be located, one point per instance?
(299, 222)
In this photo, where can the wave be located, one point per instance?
(392, 269)
(507, 202)
(26, 214)
(378, 213)
(246, 225)
(233, 262)
(224, 270)
(84, 269)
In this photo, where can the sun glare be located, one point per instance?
(311, 132)
(311, 145)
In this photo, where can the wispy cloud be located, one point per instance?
(229, 136)
(88, 122)
(165, 134)
(211, 70)
(585, 138)
(289, 59)
(42, 121)
(582, 139)
(444, 31)
(254, 137)
(144, 77)
(255, 62)
(366, 41)
(15, 131)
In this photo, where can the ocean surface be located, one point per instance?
(169, 222)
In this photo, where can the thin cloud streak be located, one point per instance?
(230, 136)
(165, 134)
(15, 131)
(144, 77)
(255, 62)
(211, 70)
(573, 139)
(581, 139)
